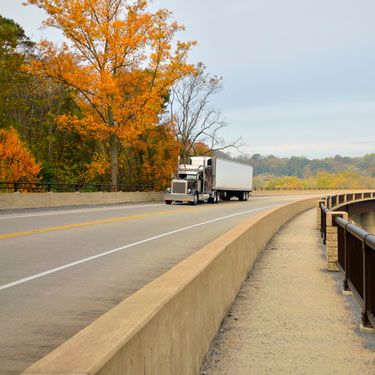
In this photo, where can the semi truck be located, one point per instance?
(210, 179)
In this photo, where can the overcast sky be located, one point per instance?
(299, 75)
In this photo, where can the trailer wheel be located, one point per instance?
(168, 202)
(217, 198)
(242, 196)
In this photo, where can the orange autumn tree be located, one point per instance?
(16, 162)
(200, 149)
(155, 156)
(121, 60)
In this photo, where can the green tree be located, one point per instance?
(14, 46)
(30, 105)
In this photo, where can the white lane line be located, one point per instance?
(286, 196)
(73, 211)
(88, 259)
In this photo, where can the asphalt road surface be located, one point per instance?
(61, 269)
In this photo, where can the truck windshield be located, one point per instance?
(188, 176)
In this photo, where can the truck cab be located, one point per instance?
(192, 183)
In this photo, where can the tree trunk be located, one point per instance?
(114, 161)
(114, 152)
(184, 153)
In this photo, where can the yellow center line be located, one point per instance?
(96, 222)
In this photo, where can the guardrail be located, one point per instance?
(287, 188)
(333, 202)
(281, 188)
(39, 187)
(352, 249)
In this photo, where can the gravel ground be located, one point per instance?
(290, 316)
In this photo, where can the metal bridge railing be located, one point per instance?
(323, 222)
(287, 188)
(356, 256)
(355, 251)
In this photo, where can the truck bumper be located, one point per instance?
(178, 197)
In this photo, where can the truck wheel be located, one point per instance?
(195, 201)
(242, 196)
(168, 202)
(213, 199)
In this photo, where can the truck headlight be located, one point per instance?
(168, 190)
(189, 191)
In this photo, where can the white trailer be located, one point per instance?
(210, 179)
(233, 176)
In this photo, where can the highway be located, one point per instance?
(61, 269)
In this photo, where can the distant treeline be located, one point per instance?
(301, 172)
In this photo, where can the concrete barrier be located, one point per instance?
(43, 200)
(18, 200)
(167, 326)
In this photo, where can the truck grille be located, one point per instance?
(179, 187)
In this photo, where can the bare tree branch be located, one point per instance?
(196, 121)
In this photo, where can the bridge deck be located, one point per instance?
(291, 317)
